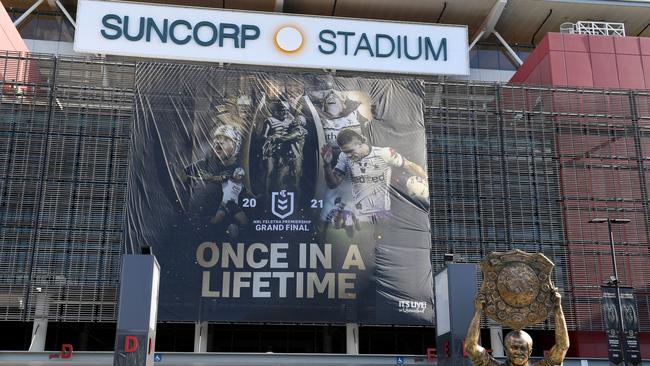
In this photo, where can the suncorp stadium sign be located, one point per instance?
(182, 33)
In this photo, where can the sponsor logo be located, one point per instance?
(282, 204)
(407, 306)
(178, 31)
(369, 179)
(289, 39)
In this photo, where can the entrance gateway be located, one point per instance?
(212, 226)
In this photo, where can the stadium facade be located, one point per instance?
(546, 132)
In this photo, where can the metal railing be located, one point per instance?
(594, 28)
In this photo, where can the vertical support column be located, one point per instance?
(455, 288)
(327, 340)
(201, 337)
(496, 341)
(39, 331)
(352, 338)
(135, 337)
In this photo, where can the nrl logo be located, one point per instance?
(282, 204)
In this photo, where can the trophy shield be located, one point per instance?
(517, 288)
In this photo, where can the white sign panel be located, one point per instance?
(443, 319)
(182, 33)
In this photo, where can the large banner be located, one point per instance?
(272, 197)
(631, 324)
(628, 339)
(612, 325)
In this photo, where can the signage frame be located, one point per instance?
(456, 50)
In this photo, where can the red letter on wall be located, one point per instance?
(66, 350)
(130, 344)
(431, 354)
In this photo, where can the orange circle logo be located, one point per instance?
(288, 39)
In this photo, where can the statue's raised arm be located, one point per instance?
(473, 349)
(559, 350)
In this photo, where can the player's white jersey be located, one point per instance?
(332, 126)
(231, 191)
(370, 178)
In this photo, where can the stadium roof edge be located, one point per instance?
(522, 22)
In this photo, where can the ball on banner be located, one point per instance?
(417, 188)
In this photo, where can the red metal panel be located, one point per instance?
(10, 39)
(557, 68)
(578, 69)
(604, 70)
(555, 42)
(601, 44)
(627, 45)
(644, 339)
(544, 68)
(630, 71)
(588, 344)
(543, 46)
(644, 44)
(645, 62)
(534, 77)
(576, 42)
(523, 73)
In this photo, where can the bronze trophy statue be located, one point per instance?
(517, 292)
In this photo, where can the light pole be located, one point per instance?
(615, 281)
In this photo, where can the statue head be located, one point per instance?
(519, 346)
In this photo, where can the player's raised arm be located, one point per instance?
(414, 169)
(332, 177)
(397, 160)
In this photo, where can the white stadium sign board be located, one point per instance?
(186, 33)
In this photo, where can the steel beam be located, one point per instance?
(505, 44)
(67, 15)
(487, 27)
(27, 13)
(278, 7)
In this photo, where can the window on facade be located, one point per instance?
(45, 26)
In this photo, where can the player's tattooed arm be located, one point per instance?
(414, 169)
(332, 177)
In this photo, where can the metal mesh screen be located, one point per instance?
(527, 168)
(510, 167)
(65, 134)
